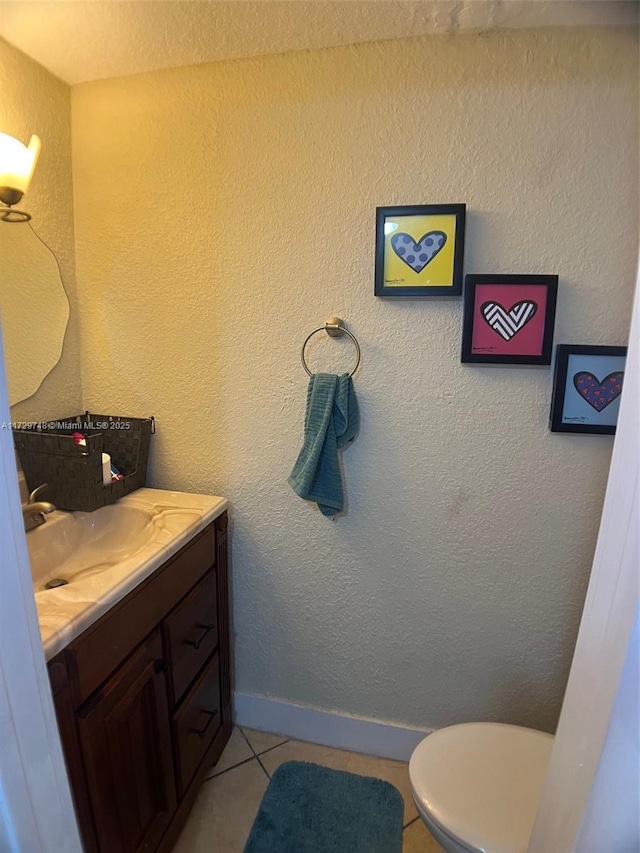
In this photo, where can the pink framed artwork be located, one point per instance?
(509, 319)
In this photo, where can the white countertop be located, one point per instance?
(176, 517)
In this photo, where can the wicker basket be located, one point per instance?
(49, 454)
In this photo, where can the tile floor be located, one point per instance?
(228, 801)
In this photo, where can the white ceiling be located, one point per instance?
(80, 40)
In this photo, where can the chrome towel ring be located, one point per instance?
(335, 328)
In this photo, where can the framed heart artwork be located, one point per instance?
(419, 250)
(587, 385)
(509, 319)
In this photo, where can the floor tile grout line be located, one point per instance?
(254, 756)
(227, 769)
(271, 748)
(246, 740)
(258, 754)
(257, 757)
(411, 822)
(263, 767)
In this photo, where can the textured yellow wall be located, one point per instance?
(34, 101)
(224, 211)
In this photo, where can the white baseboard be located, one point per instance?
(329, 728)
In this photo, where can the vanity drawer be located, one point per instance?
(191, 634)
(196, 723)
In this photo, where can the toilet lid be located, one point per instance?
(481, 782)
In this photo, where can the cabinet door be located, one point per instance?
(126, 744)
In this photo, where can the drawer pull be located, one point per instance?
(202, 732)
(196, 643)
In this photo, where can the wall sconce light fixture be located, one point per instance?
(17, 164)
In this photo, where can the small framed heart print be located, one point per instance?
(419, 250)
(509, 319)
(587, 385)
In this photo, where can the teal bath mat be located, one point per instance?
(311, 809)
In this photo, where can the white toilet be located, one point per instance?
(477, 785)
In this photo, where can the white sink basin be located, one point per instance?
(72, 543)
(103, 555)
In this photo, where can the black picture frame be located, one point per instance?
(577, 424)
(413, 288)
(542, 355)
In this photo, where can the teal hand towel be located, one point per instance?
(332, 419)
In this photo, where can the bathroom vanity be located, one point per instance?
(141, 676)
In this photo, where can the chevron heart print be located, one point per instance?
(508, 323)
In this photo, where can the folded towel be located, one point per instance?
(332, 420)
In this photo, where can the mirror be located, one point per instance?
(34, 309)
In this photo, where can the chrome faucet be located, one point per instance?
(34, 511)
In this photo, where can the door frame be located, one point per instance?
(605, 641)
(36, 810)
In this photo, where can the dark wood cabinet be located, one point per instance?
(143, 699)
(126, 745)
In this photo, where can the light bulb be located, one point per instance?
(17, 164)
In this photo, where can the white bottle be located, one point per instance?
(106, 469)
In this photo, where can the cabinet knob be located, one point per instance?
(202, 732)
(196, 643)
